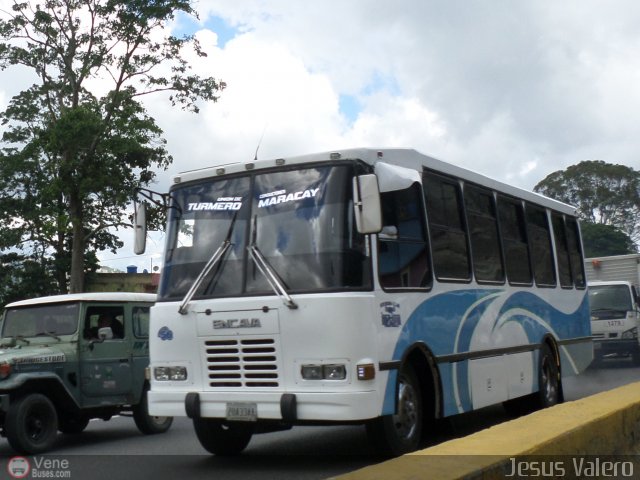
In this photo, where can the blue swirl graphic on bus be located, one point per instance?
(464, 320)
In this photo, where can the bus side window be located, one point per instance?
(403, 253)
(514, 240)
(544, 271)
(447, 228)
(562, 249)
(575, 252)
(483, 233)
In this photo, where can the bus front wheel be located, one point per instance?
(221, 437)
(401, 432)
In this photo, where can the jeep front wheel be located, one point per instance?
(73, 425)
(31, 424)
(148, 424)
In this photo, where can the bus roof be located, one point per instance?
(87, 297)
(403, 157)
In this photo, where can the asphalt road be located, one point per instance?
(115, 449)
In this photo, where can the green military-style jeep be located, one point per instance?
(69, 358)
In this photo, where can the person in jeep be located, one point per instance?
(105, 320)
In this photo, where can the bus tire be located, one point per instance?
(31, 424)
(400, 433)
(221, 437)
(149, 424)
(548, 379)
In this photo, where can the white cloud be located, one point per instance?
(513, 90)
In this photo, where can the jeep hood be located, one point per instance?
(31, 354)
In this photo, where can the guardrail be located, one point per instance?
(593, 437)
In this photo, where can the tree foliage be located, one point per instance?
(24, 277)
(601, 240)
(603, 193)
(79, 141)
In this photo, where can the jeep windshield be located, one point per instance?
(48, 320)
(300, 221)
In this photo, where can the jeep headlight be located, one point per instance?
(631, 333)
(170, 374)
(5, 370)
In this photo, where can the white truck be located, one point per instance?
(615, 312)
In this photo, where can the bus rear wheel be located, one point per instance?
(401, 432)
(548, 379)
(221, 437)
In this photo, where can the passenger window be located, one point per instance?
(514, 240)
(99, 317)
(483, 233)
(403, 253)
(541, 248)
(575, 252)
(140, 320)
(447, 229)
(562, 251)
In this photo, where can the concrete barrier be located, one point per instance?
(588, 435)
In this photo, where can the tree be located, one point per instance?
(22, 277)
(603, 193)
(79, 141)
(601, 240)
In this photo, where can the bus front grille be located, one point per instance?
(249, 362)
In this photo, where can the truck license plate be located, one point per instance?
(242, 411)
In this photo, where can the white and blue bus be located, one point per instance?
(381, 287)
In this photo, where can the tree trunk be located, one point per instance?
(76, 280)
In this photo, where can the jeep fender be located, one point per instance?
(47, 383)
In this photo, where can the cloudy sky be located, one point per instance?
(513, 90)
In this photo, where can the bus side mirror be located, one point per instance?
(366, 204)
(140, 228)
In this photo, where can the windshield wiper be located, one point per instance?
(215, 258)
(276, 284)
(48, 334)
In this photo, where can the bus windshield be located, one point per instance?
(300, 221)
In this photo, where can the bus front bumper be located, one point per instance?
(288, 407)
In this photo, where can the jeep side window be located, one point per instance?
(141, 322)
(99, 317)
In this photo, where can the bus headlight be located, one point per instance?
(333, 371)
(631, 333)
(311, 372)
(170, 374)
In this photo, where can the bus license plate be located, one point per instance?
(241, 411)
